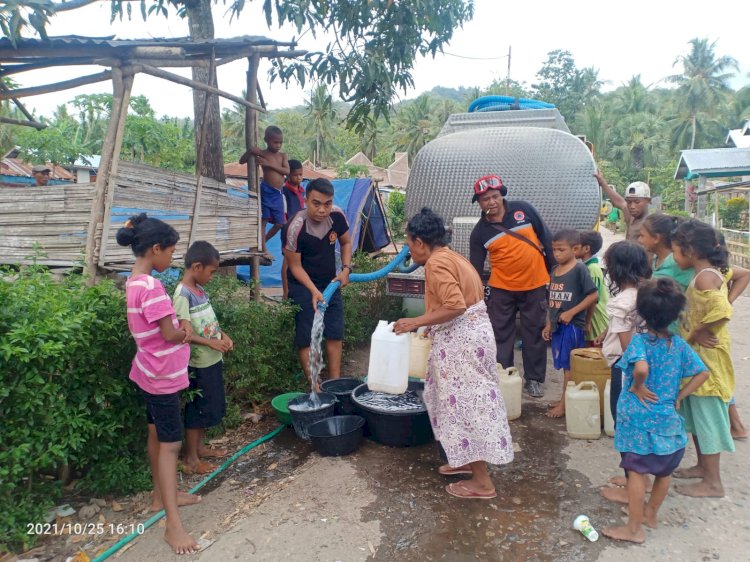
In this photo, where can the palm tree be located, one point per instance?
(592, 123)
(738, 110)
(587, 85)
(320, 117)
(369, 137)
(636, 137)
(703, 81)
(632, 97)
(415, 125)
(445, 109)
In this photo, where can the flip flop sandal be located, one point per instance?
(453, 471)
(202, 468)
(458, 490)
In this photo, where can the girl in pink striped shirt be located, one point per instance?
(159, 368)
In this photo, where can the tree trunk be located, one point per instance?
(201, 25)
(692, 126)
(637, 155)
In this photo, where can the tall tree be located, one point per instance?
(415, 125)
(703, 81)
(376, 46)
(320, 118)
(565, 85)
(93, 114)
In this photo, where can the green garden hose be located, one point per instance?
(149, 522)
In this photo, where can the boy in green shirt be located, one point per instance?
(207, 346)
(596, 316)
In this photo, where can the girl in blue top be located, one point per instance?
(650, 433)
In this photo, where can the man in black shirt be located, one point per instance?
(309, 242)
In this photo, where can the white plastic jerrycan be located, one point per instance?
(582, 410)
(419, 353)
(609, 421)
(511, 387)
(389, 360)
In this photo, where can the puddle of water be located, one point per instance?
(531, 519)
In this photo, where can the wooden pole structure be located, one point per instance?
(110, 153)
(159, 73)
(251, 139)
(11, 121)
(113, 167)
(199, 160)
(56, 87)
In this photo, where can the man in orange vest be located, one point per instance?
(519, 246)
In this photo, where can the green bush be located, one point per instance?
(65, 398)
(397, 214)
(733, 213)
(264, 360)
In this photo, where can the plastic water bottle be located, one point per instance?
(583, 524)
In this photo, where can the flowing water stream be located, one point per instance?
(316, 365)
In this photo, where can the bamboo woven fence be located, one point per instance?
(56, 218)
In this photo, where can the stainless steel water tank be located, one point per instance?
(550, 168)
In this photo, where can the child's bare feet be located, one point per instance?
(207, 453)
(183, 499)
(180, 541)
(617, 495)
(692, 472)
(557, 411)
(198, 467)
(649, 516)
(739, 434)
(622, 482)
(619, 481)
(624, 533)
(701, 490)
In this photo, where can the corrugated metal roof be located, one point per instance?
(740, 137)
(713, 162)
(15, 167)
(222, 46)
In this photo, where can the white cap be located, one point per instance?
(638, 190)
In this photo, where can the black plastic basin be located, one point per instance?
(337, 436)
(305, 417)
(396, 429)
(342, 389)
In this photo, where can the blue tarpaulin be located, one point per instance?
(359, 200)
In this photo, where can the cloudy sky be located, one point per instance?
(621, 39)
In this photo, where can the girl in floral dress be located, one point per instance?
(661, 371)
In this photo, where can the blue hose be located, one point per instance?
(504, 103)
(372, 276)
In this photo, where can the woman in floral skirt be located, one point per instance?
(461, 390)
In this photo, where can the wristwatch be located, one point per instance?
(347, 266)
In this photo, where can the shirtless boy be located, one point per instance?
(275, 166)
